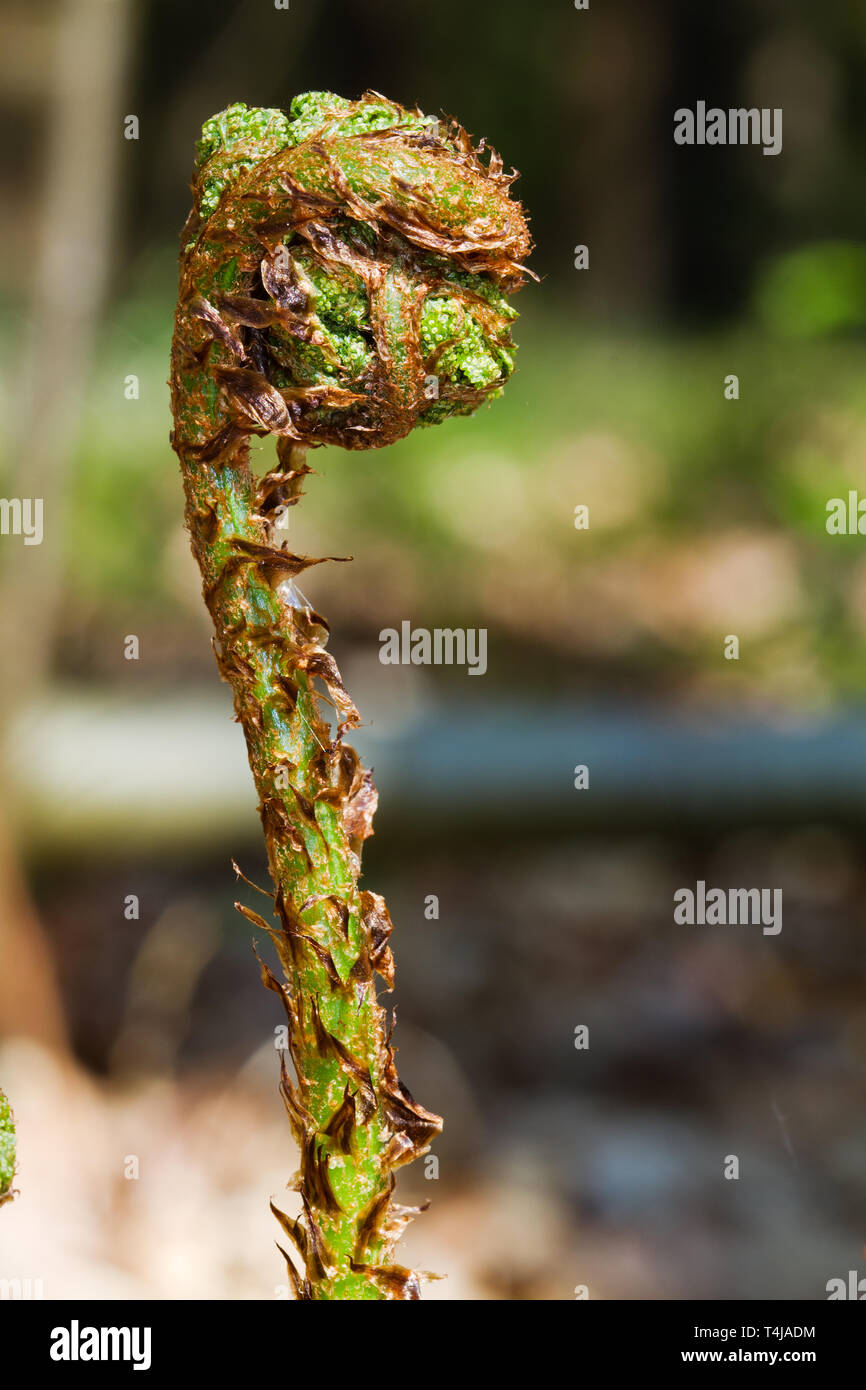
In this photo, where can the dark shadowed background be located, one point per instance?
(138, 1051)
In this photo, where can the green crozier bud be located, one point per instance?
(388, 285)
(7, 1149)
(345, 276)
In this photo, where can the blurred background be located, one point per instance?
(136, 1043)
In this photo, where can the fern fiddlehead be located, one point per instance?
(344, 277)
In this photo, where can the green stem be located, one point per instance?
(348, 1110)
(7, 1150)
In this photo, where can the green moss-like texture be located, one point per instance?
(394, 249)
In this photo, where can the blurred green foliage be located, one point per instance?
(815, 290)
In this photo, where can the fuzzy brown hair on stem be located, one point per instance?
(344, 277)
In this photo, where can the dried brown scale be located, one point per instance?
(372, 1220)
(293, 1229)
(342, 1123)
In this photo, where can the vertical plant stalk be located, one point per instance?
(336, 259)
(7, 1150)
